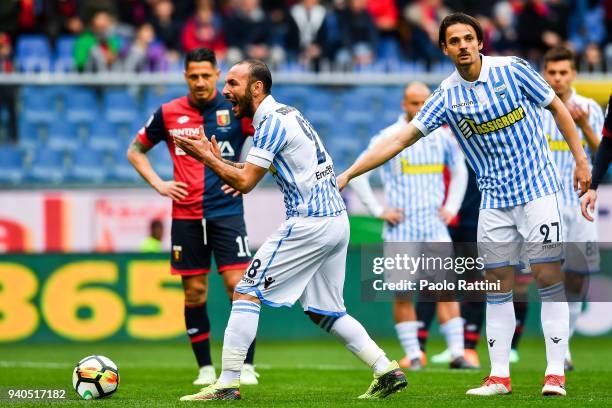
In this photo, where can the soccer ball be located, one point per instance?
(95, 377)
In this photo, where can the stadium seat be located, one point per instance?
(154, 97)
(38, 105)
(48, 166)
(104, 137)
(33, 53)
(122, 170)
(161, 161)
(63, 136)
(120, 106)
(64, 54)
(12, 164)
(81, 105)
(32, 134)
(88, 167)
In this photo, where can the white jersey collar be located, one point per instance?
(264, 107)
(482, 77)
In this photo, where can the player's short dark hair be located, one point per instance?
(199, 55)
(458, 18)
(560, 53)
(259, 71)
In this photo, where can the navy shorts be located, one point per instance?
(192, 249)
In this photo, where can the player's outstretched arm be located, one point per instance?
(243, 179)
(137, 156)
(565, 123)
(382, 151)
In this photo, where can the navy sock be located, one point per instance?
(198, 330)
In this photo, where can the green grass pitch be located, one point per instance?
(301, 374)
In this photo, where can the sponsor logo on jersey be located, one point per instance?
(470, 127)
(463, 104)
(223, 117)
(226, 149)
(327, 171)
(194, 131)
(560, 145)
(409, 168)
(183, 119)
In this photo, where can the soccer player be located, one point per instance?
(602, 161)
(494, 106)
(305, 258)
(580, 235)
(414, 189)
(205, 220)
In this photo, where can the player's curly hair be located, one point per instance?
(458, 18)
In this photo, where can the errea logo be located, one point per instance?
(183, 119)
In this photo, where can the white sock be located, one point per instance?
(239, 334)
(501, 323)
(453, 332)
(407, 335)
(575, 309)
(352, 334)
(555, 325)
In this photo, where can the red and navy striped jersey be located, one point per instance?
(181, 116)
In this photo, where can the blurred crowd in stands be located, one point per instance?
(291, 35)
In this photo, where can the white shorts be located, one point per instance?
(581, 246)
(537, 224)
(305, 259)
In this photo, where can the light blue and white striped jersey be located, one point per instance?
(287, 145)
(561, 154)
(498, 123)
(414, 181)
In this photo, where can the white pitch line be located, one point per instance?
(322, 367)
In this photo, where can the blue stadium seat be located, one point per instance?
(104, 137)
(33, 53)
(12, 164)
(161, 161)
(81, 105)
(38, 105)
(120, 106)
(154, 97)
(48, 166)
(32, 134)
(122, 170)
(88, 167)
(63, 136)
(64, 54)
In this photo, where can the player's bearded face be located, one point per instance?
(245, 104)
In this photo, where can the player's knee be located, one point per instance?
(195, 294)
(314, 317)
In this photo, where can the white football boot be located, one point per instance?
(206, 376)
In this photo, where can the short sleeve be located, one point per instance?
(154, 131)
(432, 115)
(532, 83)
(269, 139)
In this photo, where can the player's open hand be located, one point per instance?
(342, 180)
(200, 149)
(227, 189)
(215, 146)
(392, 215)
(587, 205)
(580, 116)
(176, 190)
(582, 177)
